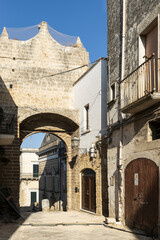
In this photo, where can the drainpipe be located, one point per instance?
(120, 116)
(59, 183)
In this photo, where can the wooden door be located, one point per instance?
(152, 42)
(152, 48)
(85, 192)
(88, 190)
(141, 194)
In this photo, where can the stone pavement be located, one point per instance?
(64, 225)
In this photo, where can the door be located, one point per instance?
(88, 190)
(141, 194)
(33, 197)
(152, 66)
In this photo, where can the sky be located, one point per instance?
(84, 18)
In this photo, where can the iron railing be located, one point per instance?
(143, 81)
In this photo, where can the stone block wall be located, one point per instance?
(130, 140)
(98, 165)
(35, 78)
(136, 12)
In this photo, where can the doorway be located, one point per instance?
(141, 194)
(89, 190)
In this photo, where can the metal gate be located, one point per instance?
(141, 194)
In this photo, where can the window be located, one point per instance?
(35, 170)
(86, 117)
(33, 197)
(155, 129)
(113, 91)
(148, 42)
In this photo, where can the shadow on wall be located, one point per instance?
(9, 158)
(104, 179)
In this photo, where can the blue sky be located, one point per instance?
(84, 18)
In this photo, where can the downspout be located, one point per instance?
(60, 179)
(122, 70)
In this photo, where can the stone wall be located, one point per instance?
(98, 165)
(35, 78)
(136, 12)
(114, 13)
(131, 139)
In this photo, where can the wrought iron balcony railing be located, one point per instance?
(141, 83)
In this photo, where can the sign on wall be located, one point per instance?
(136, 178)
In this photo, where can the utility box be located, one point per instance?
(45, 205)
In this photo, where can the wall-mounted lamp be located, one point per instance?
(93, 151)
(75, 142)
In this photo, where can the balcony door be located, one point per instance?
(151, 49)
(152, 42)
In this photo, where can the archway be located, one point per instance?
(60, 125)
(141, 194)
(43, 172)
(89, 190)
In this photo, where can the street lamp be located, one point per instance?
(75, 142)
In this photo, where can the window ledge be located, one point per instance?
(85, 132)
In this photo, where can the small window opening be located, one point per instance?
(155, 129)
(113, 91)
(35, 170)
(87, 116)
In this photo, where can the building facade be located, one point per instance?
(29, 178)
(36, 85)
(52, 172)
(89, 158)
(133, 113)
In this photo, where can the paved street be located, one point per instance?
(63, 225)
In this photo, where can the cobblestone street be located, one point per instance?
(64, 225)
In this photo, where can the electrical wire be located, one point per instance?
(52, 75)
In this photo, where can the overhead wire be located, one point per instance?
(52, 75)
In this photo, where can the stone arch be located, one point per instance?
(40, 120)
(60, 125)
(88, 171)
(147, 155)
(59, 135)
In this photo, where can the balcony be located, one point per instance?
(29, 176)
(6, 128)
(141, 88)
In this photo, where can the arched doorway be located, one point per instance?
(63, 127)
(89, 190)
(43, 172)
(141, 194)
